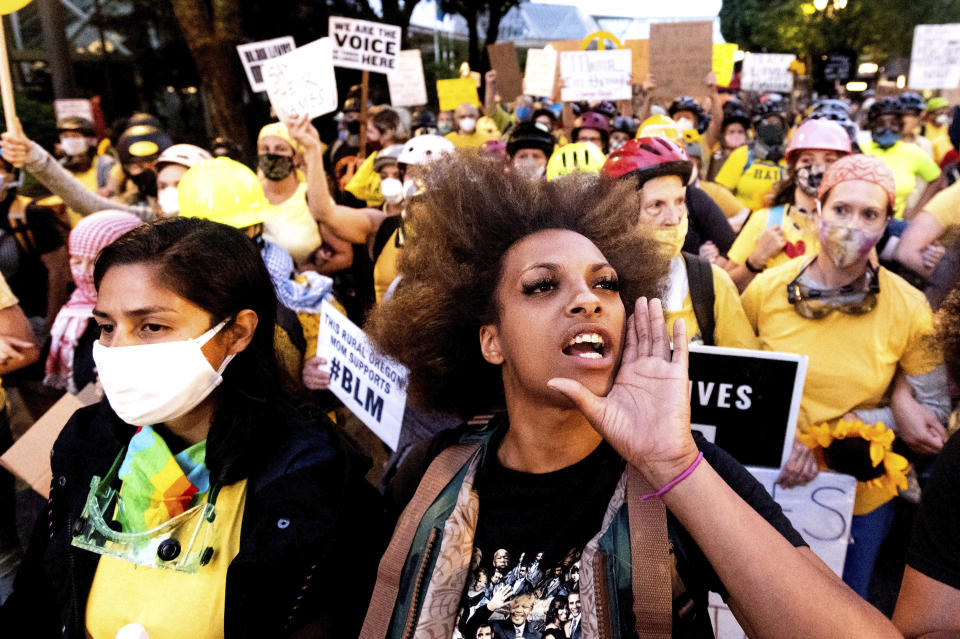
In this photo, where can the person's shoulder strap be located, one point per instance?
(650, 559)
(775, 215)
(750, 158)
(702, 295)
(387, 227)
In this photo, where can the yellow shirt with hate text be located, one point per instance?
(752, 183)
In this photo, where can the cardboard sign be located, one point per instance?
(540, 74)
(373, 387)
(302, 81)
(29, 457)
(364, 45)
(747, 401)
(767, 72)
(560, 46)
(453, 93)
(596, 75)
(723, 63)
(78, 107)
(254, 54)
(503, 60)
(935, 61)
(641, 58)
(406, 82)
(681, 56)
(821, 512)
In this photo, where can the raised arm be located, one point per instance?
(712, 134)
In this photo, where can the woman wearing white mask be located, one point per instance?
(194, 500)
(861, 327)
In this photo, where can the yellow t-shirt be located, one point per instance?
(473, 141)
(750, 184)
(385, 268)
(169, 604)
(940, 140)
(290, 226)
(945, 206)
(802, 241)
(731, 327)
(723, 198)
(907, 162)
(852, 358)
(365, 183)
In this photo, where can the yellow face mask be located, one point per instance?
(672, 237)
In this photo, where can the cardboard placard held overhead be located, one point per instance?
(364, 45)
(254, 54)
(596, 75)
(560, 46)
(540, 74)
(29, 457)
(452, 93)
(767, 72)
(302, 81)
(935, 61)
(681, 56)
(640, 50)
(503, 60)
(406, 82)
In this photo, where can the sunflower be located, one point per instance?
(863, 451)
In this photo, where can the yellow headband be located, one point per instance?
(278, 129)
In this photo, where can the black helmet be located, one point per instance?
(529, 135)
(76, 123)
(351, 105)
(142, 119)
(423, 119)
(772, 104)
(832, 104)
(685, 103)
(141, 142)
(542, 111)
(911, 101)
(734, 116)
(884, 106)
(840, 118)
(606, 107)
(733, 104)
(625, 124)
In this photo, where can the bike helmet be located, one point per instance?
(529, 135)
(644, 159)
(573, 157)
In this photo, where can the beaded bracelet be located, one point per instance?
(676, 480)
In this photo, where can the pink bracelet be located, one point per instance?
(676, 480)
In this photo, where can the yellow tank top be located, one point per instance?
(169, 604)
(385, 268)
(292, 227)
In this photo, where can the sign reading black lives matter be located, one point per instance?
(364, 45)
(372, 386)
(747, 401)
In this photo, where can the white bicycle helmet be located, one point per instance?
(183, 154)
(424, 149)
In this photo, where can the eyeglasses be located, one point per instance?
(182, 543)
(857, 298)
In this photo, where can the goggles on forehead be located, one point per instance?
(858, 298)
(182, 543)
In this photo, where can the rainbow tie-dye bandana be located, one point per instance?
(157, 484)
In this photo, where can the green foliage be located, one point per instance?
(37, 119)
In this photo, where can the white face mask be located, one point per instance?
(409, 188)
(167, 199)
(685, 123)
(151, 384)
(468, 125)
(73, 146)
(943, 119)
(392, 190)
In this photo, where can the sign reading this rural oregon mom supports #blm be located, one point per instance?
(364, 45)
(372, 386)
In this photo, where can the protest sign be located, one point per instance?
(29, 457)
(723, 63)
(560, 46)
(681, 56)
(364, 45)
(372, 386)
(254, 54)
(821, 512)
(747, 401)
(767, 72)
(302, 81)
(935, 61)
(406, 82)
(641, 58)
(540, 73)
(596, 75)
(78, 107)
(503, 60)
(453, 93)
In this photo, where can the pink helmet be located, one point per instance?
(818, 134)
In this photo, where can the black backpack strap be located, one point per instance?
(387, 227)
(700, 277)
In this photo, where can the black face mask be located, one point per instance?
(353, 127)
(770, 134)
(275, 167)
(146, 181)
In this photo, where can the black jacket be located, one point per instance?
(312, 534)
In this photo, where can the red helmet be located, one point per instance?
(648, 158)
(591, 120)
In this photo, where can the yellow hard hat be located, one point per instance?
(660, 126)
(225, 191)
(576, 156)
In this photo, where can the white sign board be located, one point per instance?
(406, 82)
(540, 73)
(364, 45)
(302, 81)
(935, 61)
(66, 108)
(254, 54)
(373, 387)
(821, 512)
(767, 72)
(596, 75)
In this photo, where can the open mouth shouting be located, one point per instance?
(589, 344)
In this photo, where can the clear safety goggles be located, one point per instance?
(182, 543)
(858, 298)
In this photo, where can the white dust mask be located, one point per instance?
(151, 384)
(167, 199)
(73, 146)
(392, 190)
(468, 125)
